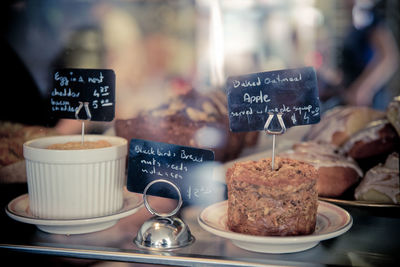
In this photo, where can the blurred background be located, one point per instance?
(159, 47)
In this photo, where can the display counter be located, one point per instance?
(373, 240)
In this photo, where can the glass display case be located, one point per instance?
(171, 61)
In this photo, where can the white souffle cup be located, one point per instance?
(75, 184)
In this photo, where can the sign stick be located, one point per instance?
(83, 132)
(274, 133)
(88, 115)
(273, 152)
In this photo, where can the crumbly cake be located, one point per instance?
(80, 145)
(191, 119)
(336, 172)
(266, 202)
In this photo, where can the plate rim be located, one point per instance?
(358, 203)
(123, 212)
(269, 240)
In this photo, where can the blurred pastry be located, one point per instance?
(189, 119)
(381, 183)
(278, 202)
(372, 144)
(13, 136)
(340, 123)
(336, 173)
(379, 137)
(393, 113)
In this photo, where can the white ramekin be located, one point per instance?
(75, 184)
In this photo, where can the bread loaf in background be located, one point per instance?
(190, 119)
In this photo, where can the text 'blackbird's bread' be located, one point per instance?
(266, 202)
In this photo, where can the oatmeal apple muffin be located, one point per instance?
(266, 202)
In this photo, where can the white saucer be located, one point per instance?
(18, 209)
(332, 221)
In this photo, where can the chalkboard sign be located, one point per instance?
(190, 169)
(291, 92)
(87, 94)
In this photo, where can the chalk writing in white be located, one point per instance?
(191, 157)
(61, 105)
(65, 92)
(246, 83)
(304, 112)
(247, 98)
(278, 79)
(193, 191)
(95, 79)
(268, 80)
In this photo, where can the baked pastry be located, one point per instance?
(13, 136)
(379, 137)
(79, 145)
(340, 123)
(372, 144)
(393, 113)
(381, 183)
(266, 202)
(336, 173)
(191, 119)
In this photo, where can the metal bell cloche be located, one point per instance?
(162, 233)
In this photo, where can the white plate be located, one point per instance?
(359, 203)
(332, 221)
(18, 209)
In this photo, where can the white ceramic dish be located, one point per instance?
(359, 203)
(75, 184)
(332, 221)
(18, 209)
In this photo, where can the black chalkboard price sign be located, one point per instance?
(291, 92)
(190, 169)
(87, 94)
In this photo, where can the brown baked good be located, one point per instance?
(192, 119)
(267, 202)
(381, 183)
(393, 113)
(13, 136)
(340, 123)
(378, 138)
(372, 144)
(80, 145)
(336, 173)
